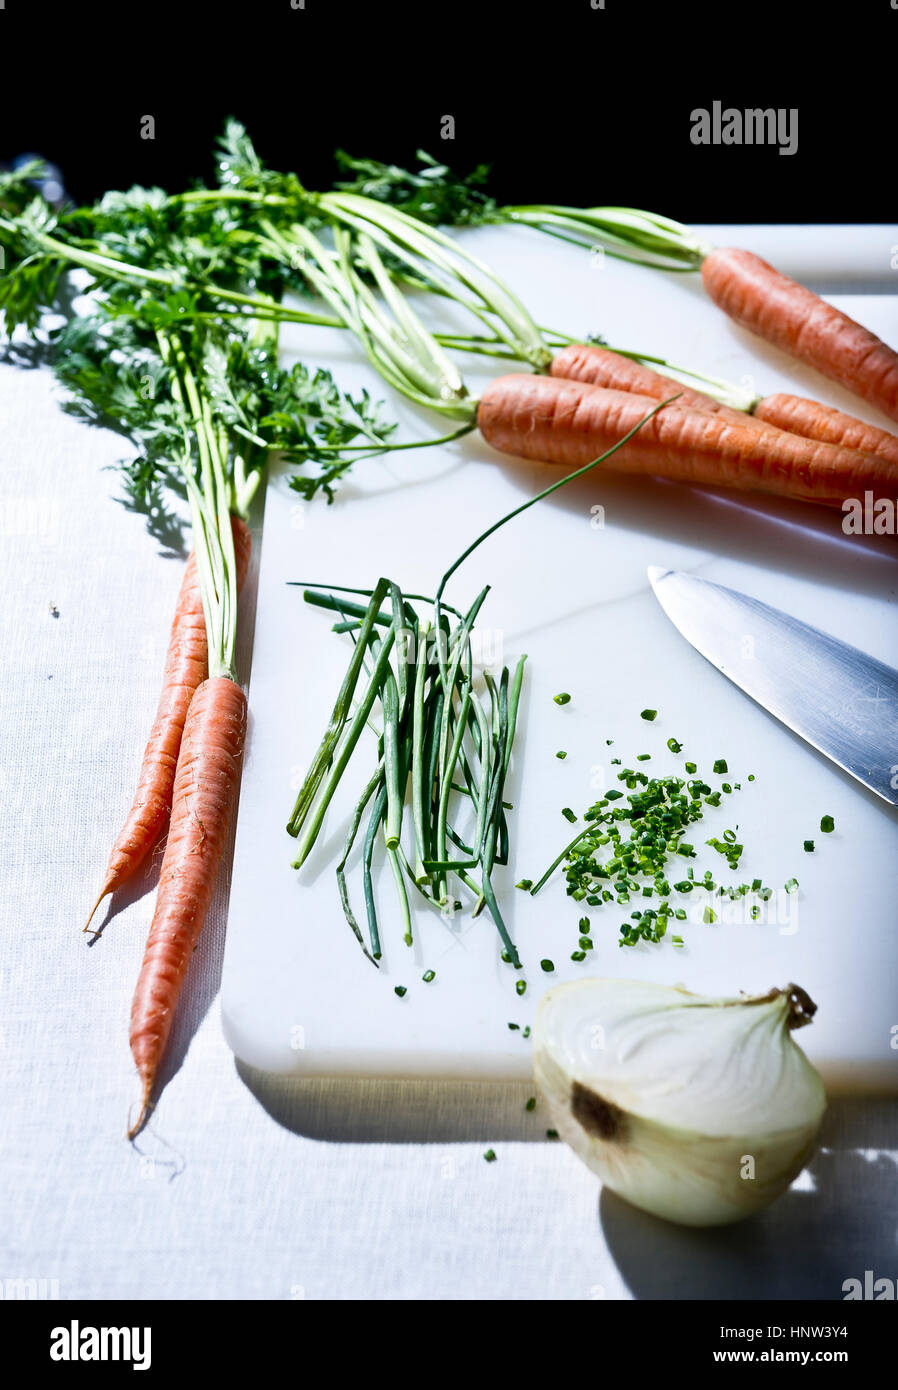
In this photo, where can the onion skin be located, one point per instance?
(707, 1176)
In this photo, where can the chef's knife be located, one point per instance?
(842, 701)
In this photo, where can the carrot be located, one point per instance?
(603, 367)
(817, 421)
(795, 319)
(205, 785)
(794, 414)
(572, 422)
(185, 668)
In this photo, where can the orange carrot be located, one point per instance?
(817, 421)
(795, 414)
(602, 367)
(185, 669)
(795, 319)
(572, 422)
(205, 785)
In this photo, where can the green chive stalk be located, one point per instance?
(340, 757)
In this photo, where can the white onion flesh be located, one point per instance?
(698, 1109)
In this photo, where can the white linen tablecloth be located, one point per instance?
(249, 1186)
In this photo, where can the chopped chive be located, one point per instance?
(562, 699)
(643, 757)
(648, 714)
(791, 885)
(568, 814)
(551, 1133)
(561, 754)
(638, 837)
(674, 745)
(690, 767)
(526, 1032)
(490, 1155)
(721, 765)
(513, 1027)
(827, 824)
(526, 884)
(751, 777)
(809, 846)
(520, 986)
(531, 1103)
(547, 965)
(428, 976)
(401, 991)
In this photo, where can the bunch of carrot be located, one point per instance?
(748, 289)
(191, 767)
(203, 401)
(787, 445)
(591, 397)
(187, 785)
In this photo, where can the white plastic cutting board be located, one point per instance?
(569, 587)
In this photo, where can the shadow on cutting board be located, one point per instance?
(840, 1220)
(360, 1111)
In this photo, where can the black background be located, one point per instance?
(569, 104)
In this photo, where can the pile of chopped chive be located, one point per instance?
(625, 849)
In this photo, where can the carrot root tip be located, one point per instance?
(145, 1108)
(93, 912)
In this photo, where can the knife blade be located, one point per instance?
(839, 699)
